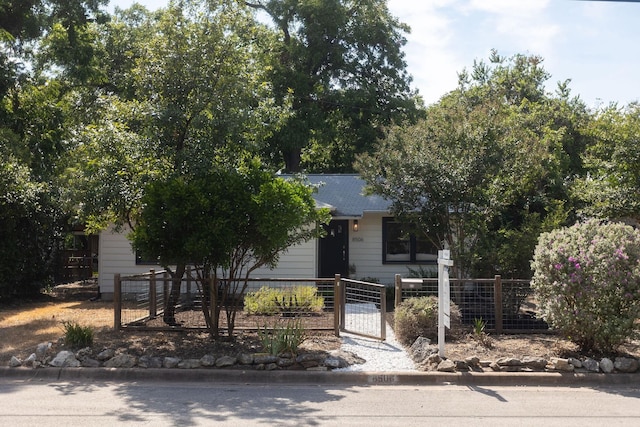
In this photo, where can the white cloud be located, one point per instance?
(430, 52)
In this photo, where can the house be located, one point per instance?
(362, 241)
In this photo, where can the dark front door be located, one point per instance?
(334, 249)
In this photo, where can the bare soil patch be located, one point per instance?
(23, 326)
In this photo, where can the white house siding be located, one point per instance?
(301, 261)
(365, 251)
(116, 256)
(297, 262)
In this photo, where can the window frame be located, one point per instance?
(413, 245)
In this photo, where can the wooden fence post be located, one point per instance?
(188, 295)
(153, 305)
(117, 302)
(398, 293)
(165, 290)
(337, 304)
(497, 298)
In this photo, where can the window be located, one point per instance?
(141, 260)
(401, 246)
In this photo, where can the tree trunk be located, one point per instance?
(169, 316)
(292, 160)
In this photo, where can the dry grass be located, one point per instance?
(24, 326)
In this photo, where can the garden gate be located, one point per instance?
(362, 308)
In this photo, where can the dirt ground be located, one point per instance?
(23, 326)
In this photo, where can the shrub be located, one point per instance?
(77, 336)
(587, 282)
(281, 339)
(269, 301)
(416, 317)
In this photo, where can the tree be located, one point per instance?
(189, 92)
(34, 122)
(30, 226)
(612, 187)
(227, 222)
(489, 164)
(189, 88)
(341, 62)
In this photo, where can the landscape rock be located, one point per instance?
(149, 362)
(606, 365)
(245, 359)
(15, 362)
(208, 360)
(225, 361)
(189, 364)
(627, 365)
(341, 358)
(421, 349)
(88, 362)
(462, 366)
(106, 354)
(65, 359)
(560, 364)
(264, 358)
(446, 365)
(537, 363)
(270, 366)
(121, 361)
(31, 361)
(42, 351)
(509, 361)
(472, 361)
(506, 366)
(575, 362)
(431, 362)
(285, 362)
(591, 365)
(170, 362)
(84, 353)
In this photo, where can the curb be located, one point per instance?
(239, 376)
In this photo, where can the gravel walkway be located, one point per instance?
(380, 356)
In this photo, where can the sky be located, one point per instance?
(595, 44)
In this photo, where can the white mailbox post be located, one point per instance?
(444, 297)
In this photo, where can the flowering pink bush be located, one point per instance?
(587, 282)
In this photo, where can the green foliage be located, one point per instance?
(612, 187)
(29, 231)
(282, 339)
(486, 171)
(188, 91)
(77, 336)
(422, 272)
(587, 283)
(479, 334)
(418, 317)
(289, 301)
(478, 326)
(229, 220)
(341, 67)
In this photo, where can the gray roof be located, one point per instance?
(344, 195)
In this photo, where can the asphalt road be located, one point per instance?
(39, 402)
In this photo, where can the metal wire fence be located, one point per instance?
(139, 302)
(505, 305)
(363, 308)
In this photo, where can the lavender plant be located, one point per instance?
(587, 283)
